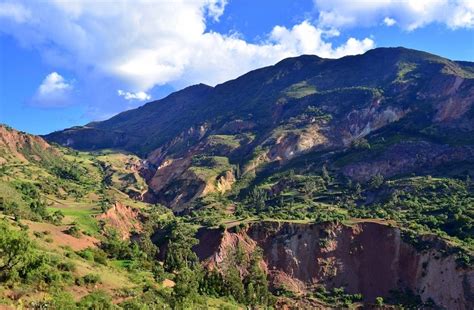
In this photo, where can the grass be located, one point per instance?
(300, 90)
(232, 141)
(84, 217)
(221, 303)
(208, 167)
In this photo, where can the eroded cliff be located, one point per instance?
(366, 257)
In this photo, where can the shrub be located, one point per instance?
(379, 301)
(91, 279)
(96, 300)
(62, 300)
(74, 231)
(66, 266)
(94, 255)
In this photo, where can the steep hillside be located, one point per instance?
(367, 257)
(18, 147)
(415, 108)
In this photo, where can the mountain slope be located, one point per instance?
(314, 183)
(406, 100)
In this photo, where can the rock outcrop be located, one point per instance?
(368, 257)
(124, 219)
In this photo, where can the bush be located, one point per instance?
(66, 266)
(96, 300)
(94, 255)
(91, 279)
(62, 300)
(88, 279)
(74, 231)
(379, 301)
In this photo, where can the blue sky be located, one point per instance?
(66, 63)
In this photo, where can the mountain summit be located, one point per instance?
(417, 108)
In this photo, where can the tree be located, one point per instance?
(233, 283)
(256, 282)
(186, 286)
(309, 187)
(377, 181)
(258, 198)
(15, 250)
(325, 173)
(180, 242)
(358, 190)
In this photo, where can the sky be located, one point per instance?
(65, 63)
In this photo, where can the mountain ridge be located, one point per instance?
(299, 105)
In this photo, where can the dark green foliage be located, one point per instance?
(67, 171)
(336, 296)
(212, 284)
(256, 282)
(234, 284)
(117, 248)
(89, 279)
(74, 231)
(180, 241)
(185, 291)
(406, 299)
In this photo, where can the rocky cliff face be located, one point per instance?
(370, 258)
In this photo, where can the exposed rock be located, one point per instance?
(222, 184)
(122, 218)
(367, 257)
(15, 145)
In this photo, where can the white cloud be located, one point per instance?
(389, 21)
(14, 11)
(53, 92)
(140, 96)
(216, 8)
(136, 45)
(409, 14)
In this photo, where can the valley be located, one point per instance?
(311, 184)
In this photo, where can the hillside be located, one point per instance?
(415, 110)
(314, 183)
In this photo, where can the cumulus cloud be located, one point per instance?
(140, 96)
(389, 21)
(145, 43)
(409, 14)
(137, 45)
(54, 91)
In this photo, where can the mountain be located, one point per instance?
(311, 184)
(415, 109)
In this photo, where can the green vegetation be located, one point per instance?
(337, 296)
